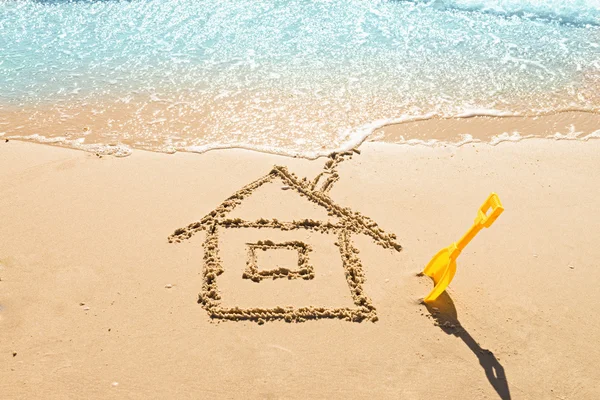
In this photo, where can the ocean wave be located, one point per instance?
(293, 77)
(573, 11)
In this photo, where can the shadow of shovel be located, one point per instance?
(444, 313)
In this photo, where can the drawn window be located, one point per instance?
(257, 269)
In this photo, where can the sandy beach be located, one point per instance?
(238, 199)
(97, 302)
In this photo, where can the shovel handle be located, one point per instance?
(492, 203)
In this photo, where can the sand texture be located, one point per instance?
(237, 274)
(493, 129)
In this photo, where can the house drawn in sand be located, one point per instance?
(347, 223)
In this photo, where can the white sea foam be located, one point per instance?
(593, 135)
(571, 135)
(116, 150)
(484, 112)
(366, 132)
(514, 136)
(353, 138)
(574, 134)
(570, 11)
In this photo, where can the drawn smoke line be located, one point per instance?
(350, 223)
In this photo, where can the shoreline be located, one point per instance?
(492, 129)
(94, 300)
(478, 126)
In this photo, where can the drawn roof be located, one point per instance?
(348, 219)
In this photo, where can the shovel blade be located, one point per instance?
(441, 269)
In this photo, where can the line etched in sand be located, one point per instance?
(350, 223)
(254, 273)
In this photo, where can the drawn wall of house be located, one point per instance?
(328, 288)
(381, 283)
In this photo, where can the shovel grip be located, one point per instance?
(492, 203)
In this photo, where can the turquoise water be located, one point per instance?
(290, 76)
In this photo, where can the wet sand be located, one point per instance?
(282, 123)
(574, 125)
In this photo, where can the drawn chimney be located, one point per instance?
(329, 175)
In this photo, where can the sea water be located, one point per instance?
(298, 77)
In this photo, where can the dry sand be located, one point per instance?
(96, 303)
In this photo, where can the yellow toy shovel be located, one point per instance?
(442, 266)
